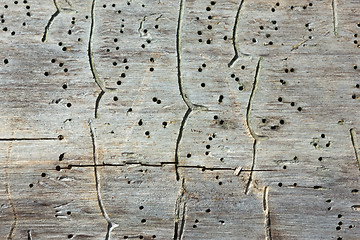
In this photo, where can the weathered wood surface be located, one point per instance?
(179, 119)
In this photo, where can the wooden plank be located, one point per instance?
(179, 119)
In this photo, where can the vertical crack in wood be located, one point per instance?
(178, 53)
(141, 27)
(96, 77)
(90, 53)
(253, 135)
(8, 193)
(47, 27)
(29, 235)
(181, 130)
(355, 145)
(252, 167)
(185, 98)
(234, 38)
(111, 225)
(180, 212)
(97, 103)
(267, 214)
(334, 16)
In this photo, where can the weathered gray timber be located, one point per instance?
(179, 119)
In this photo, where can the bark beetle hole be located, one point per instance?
(280, 184)
(115, 98)
(60, 137)
(147, 133)
(68, 212)
(143, 220)
(118, 82)
(221, 97)
(6, 61)
(61, 156)
(43, 175)
(68, 105)
(70, 236)
(355, 191)
(141, 207)
(58, 168)
(194, 226)
(164, 124)
(140, 122)
(31, 185)
(208, 210)
(188, 155)
(202, 84)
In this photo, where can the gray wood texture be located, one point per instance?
(179, 119)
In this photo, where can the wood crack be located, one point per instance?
(162, 164)
(267, 214)
(96, 77)
(253, 135)
(29, 235)
(51, 20)
(181, 130)
(8, 193)
(334, 16)
(185, 98)
(234, 38)
(355, 145)
(111, 225)
(26, 139)
(180, 212)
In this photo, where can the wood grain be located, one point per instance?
(179, 120)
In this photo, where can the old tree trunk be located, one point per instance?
(179, 119)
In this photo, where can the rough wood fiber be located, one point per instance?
(184, 119)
